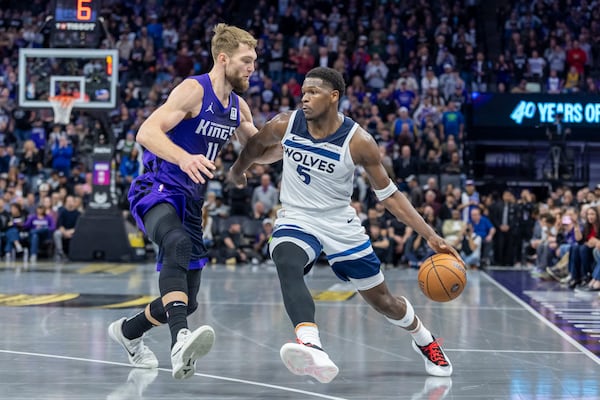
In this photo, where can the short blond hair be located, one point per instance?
(227, 39)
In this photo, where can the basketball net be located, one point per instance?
(62, 106)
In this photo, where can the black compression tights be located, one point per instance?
(157, 310)
(166, 230)
(290, 260)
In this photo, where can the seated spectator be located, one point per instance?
(40, 227)
(594, 284)
(65, 227)
(454, 166)
(261, 244)
(543, 235)
(453, 229)
(404, 165)
(129, 169)
(449, 203)
(521, 87)
(266, 193)
(13, 231)
(580, 254)
(431, 201)
(234, 248)
(416, 251)
(373, 218)
(536, 66)
(429, 81)
(471, 247)
(484, 228)
(376, 73)
(403, 128)
(431, 164)
(554, 84)
(572, 81)
(469, 199)
(381, 244)
(399, 235)
(565, 238)
(126, 145)
(415, 193)
(405, 97)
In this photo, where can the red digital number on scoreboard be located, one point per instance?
(84, 11)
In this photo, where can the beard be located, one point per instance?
(238, 83)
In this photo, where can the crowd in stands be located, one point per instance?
(410, 66)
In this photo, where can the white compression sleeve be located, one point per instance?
(408, 318)
(386, 192)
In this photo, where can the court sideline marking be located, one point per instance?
(223, 378)
(539, 316)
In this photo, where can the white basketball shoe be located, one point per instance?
(308, 359)
(139, 354)
(436, 362)
(189, 347)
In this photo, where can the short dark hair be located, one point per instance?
(329, 75)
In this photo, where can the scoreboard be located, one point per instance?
(76, 24)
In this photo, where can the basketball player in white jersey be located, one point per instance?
(321, 148)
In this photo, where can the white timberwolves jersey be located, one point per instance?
(317, 174)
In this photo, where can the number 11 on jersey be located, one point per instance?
(211, 152)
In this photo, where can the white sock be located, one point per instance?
(307, 332)
(421, 335)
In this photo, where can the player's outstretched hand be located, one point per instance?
(237, 179)
(197, 167)
(439, 245)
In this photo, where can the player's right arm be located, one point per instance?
(183, 102)
(257, 145)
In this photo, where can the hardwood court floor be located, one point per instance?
(54, 343)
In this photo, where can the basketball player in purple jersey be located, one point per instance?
(182, 139)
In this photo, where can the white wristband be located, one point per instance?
(386, 192)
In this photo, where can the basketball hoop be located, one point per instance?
(62, 106)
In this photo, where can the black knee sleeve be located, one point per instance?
(166, 230)
(157, 311)
(193, 289)
(290, 260)
(177, 250)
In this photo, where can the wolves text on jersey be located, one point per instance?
(310, 160)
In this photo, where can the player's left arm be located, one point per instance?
(247, 129)
(365, 152)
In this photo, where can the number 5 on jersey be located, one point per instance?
(303, 172)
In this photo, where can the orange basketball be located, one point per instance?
(442, 277)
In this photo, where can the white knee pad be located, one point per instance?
(408, 318)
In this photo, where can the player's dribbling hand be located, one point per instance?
(197, 167)
(237, 179)
(439, 245)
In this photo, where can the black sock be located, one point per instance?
(177, 318)
(136, 326)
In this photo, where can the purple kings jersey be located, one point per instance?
(204, 134)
